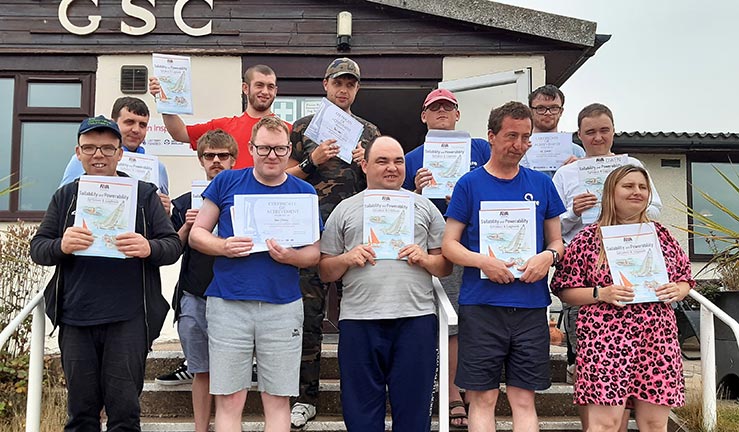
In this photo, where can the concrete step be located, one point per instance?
(175, 401)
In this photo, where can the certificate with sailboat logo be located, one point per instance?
(447, 155)
(140, 166)
(106, 206)
(196, 193)
(173, 72)
(508, 232)
(593, 172)
(635, 258)
(388, 221)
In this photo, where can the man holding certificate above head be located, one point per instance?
(107, 234)
(260, 89)
(217, 152)
(503, 227)
(388, 326)
(331, 165)
(254, 301)
(440, 154)
(132, 117)
(550, 148)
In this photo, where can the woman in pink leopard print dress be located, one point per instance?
(627, 351)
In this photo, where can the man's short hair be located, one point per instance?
(549, 91)
(270, 123)
(372, 143)
(217, 139)
(514, 110)
(133, 104)
(594, 110)
(260, 68)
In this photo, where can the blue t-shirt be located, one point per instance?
(479, 185)
(257, 276)
(479, 155)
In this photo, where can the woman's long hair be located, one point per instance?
(608, 215)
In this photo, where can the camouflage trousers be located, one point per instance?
(314, 310)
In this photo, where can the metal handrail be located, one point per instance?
(447, 316)
(36, 362)
(708, 354)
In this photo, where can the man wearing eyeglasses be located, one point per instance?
(334, 181)
(108, 310)
(254, 300)
(440, 111)
(132, 117)
(547, 105)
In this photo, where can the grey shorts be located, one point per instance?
(237, 329)
(193, 330)
(451, 285)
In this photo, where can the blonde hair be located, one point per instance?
(218, 139)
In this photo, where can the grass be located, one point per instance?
(692, 414)
(53, 411)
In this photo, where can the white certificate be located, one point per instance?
(388, 221)
(140, 166)
(508, 232)
(593, 172)
(331, 122)
(548, 151)
(174, 74)
(447, 155)
(196, 193)
(106, 205)
(635, 258)
(289, 219)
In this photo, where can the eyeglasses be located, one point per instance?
(221, 156)
(447, 106)
(541, 109)
(90, 149)
(263, 150)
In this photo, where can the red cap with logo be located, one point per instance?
(439, 94)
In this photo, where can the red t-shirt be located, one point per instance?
(238, 127)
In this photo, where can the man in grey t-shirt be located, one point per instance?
(387, 322)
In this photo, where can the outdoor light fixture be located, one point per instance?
(344, 31)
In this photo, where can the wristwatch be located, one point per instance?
(307, 166)
(555, 256)
(595, 292)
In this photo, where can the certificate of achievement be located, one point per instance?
(289, 219)
(106, 206)
(549, 151)
(140, 166)
(174, 75)
(593, 173)
(331, 122)
(635, 258)
(198, 187)
(388, 221)
(508, 232)
(447, 155)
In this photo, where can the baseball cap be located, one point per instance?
(439, 94)
(342, 66)
(98, 123)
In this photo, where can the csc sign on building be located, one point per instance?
(145, 15)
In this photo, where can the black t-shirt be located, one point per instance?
(196, 270)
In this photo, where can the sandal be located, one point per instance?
(452, 416)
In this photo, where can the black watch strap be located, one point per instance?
(307, 166)
(555, 256)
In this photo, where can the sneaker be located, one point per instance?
(570, 378)
(176, 377)
(254, 374)
(301, 414)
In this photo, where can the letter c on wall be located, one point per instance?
(67, 24)
(192, 31)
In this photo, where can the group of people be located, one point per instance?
(233, 305)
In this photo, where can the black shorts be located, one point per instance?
(491, 337)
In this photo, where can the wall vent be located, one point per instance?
(134, 79)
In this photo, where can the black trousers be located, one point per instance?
(104, 367)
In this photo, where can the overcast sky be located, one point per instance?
(670, 66)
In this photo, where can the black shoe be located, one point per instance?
(176, 377)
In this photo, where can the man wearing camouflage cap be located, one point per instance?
(334, 180)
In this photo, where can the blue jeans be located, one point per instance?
(104, 367)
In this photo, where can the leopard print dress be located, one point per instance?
(630, 352)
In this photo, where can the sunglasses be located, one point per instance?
(221, 156)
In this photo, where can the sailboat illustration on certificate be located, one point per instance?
(388, 221)
(447, 155)
(507, 232)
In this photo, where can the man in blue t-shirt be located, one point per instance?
(503, 319)
(254, 301)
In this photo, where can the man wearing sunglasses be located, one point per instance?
(254, 300)
(108, 310)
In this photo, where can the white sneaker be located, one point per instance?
(301, 414)
(570, 378)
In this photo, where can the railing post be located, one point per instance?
(443, 373)
(708, 369)
(35, 370)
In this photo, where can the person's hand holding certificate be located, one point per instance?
(331, 122)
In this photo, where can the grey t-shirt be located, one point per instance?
(390, 289)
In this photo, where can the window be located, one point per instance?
(39, 117)
(704, 177)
